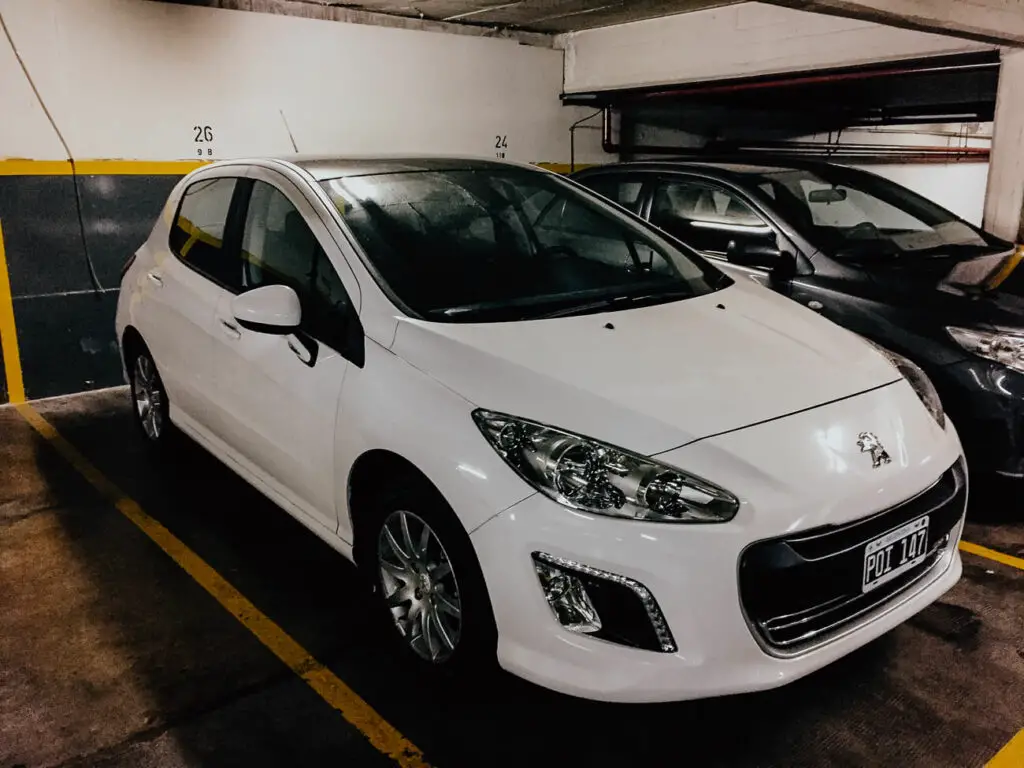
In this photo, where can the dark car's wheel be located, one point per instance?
(149, 398)
(427, 581)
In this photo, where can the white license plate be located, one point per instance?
(898, 551)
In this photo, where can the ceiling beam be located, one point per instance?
(996, 22)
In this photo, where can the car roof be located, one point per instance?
(333, 167)
(725, 168)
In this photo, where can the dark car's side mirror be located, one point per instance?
(766, 255)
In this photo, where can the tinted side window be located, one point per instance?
(625, 192)
(707, 217)
(279, 248)
(197, 235)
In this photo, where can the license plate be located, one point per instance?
(898, 551)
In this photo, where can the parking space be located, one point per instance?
(112, 654)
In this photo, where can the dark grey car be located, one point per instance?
(870, 255)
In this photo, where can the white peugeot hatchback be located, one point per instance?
(549, 434)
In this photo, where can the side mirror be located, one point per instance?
(766, 255)
(273, 309)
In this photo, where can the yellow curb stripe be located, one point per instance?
(991, 554)
(330, 688)
(1010, 756)
(9, 332)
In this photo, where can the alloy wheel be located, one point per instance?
(149, 397)
(419, 586)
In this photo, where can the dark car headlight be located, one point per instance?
(588, 475)
(1001, 346)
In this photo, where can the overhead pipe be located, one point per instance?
(872, 153)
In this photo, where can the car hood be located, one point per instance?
(652, 378)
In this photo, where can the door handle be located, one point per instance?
(230, 329)
(817, 306)
(155, 278)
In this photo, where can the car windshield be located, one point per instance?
(509, 244)
(849, 213)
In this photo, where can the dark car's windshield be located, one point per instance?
(846, 212)
(508, 244)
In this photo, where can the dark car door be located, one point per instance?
(718, 222)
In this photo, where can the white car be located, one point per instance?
(552, 435)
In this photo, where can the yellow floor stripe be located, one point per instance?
(9, 332)
(991, 554)
(331, 689)
(1010, 756)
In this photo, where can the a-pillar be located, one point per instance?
(1004, 199)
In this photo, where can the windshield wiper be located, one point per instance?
(618, 302)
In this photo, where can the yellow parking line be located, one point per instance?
(9, 333)
(331, 689)
(1010, 756)
(991, 554)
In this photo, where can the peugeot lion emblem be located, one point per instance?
(868, 442)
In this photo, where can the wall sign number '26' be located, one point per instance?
(500, 144)
(203, 136)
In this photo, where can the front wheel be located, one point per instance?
(149, 399)
(429, 584)
(419, 586)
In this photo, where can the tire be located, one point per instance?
(423, 571)
(150, 406)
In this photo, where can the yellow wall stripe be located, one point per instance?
(17, 167)
(137, 167)
(331, 689)
(991, 554)
(9, 332)
(20, 167)
(1010, 756)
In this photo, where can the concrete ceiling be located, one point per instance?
(537, 15)
(546, 16)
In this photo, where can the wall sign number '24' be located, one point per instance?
(500, 144)
(203, 136)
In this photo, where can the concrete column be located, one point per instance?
(1004, 199)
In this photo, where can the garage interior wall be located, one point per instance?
(750, 39)
(139, 92)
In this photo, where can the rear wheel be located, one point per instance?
(149, 399)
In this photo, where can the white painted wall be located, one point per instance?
(958, 187)
(24, 130)
(737, 41)
(130, 79)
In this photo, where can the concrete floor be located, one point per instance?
(110, 655)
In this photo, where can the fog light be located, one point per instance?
(602, 604)
(568, 599)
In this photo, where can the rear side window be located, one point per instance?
(625, 192)
(197, 235)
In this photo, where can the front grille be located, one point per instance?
(799, 590)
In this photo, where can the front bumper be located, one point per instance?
(696, 589)
(692, 571)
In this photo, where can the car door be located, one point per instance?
(181, 291)
(279, 395)
(714, 220)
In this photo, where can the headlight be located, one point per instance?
(919, 380)
(595, 477)
(1004, 347)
